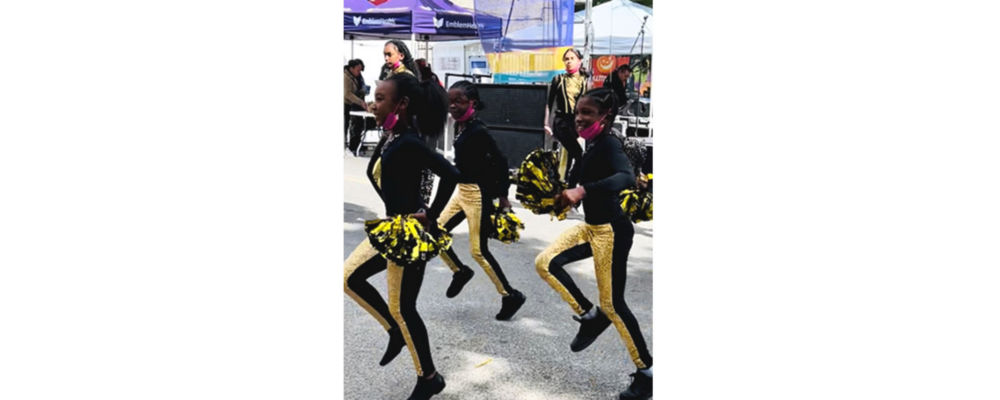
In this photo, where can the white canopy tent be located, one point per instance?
(617, 27)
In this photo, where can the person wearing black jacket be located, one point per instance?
(354, 100)
(616, 82)
(606, 236)
(564, 91)
(483, 176)
(408, 110)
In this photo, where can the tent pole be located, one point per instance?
(413, 42)
(588, 34)
(642, 35)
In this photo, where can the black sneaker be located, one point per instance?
(640, 389)
(458, 281)
(395, 345)
(590, 329)
(511, 303)
(427, 387)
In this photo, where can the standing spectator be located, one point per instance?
(617, 83)
(353, 102)
(560, 105)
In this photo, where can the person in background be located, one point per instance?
(353, 102)
(616, 82)
(384, 72)
(564, 91)
(363, 88)
(426, 74)
(398, 59)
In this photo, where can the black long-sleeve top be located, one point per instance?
(604, 172)
(374, 170)
(564, 90)
(480, 161)
(398, 182)
(619, 88)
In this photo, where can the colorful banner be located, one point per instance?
(601, 67)
(524, 42)
(536, 66)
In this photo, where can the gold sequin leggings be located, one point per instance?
(404, 286)
(609, 245)
(469, 203)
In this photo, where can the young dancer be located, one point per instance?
(606, 235)
(482, 177)
(399, 60)
(409, 111)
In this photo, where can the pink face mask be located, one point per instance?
(391, 119)
(468, 113)
(573, 71)
(395, 65)
(593, 130)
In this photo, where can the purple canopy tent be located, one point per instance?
(410, 19)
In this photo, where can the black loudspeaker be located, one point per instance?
(516, 144)
(513, 106)
(515, 115)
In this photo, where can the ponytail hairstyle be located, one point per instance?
(606, 100)
(425, 69)
(407, 61)
(583, 71)
(470, 91)
(428, 104)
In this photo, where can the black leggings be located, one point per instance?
(564, 129)
(469, 201)
(401, 311)
(609, 244)
(353, 133)
(404, 287)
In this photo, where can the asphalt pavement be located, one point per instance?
(526, 358)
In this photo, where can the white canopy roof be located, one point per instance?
(617, 24)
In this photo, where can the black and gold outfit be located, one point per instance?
(606, 236)
(564, 91)
(396, 176)
(477, 157)
(365, 261)
(427, 179)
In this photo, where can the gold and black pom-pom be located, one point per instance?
(506, 226)
(403, 240)
(538, 183)
(637, 204)
(635, 150)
